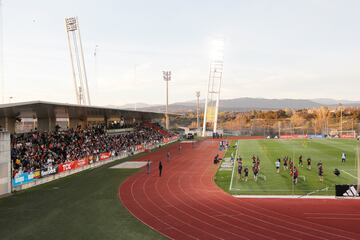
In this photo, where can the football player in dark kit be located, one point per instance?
(300, 161)
(309, 163)
(160, 168)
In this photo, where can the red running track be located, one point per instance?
(185, 203)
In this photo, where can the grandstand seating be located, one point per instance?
(48, 150)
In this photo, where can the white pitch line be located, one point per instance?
(333, 218)
(284, 196)
(350, 174)
(334, 214)
(233, 171)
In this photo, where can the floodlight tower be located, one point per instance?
(214, 85)
(167, 78)
(77, 61)
(197, 110)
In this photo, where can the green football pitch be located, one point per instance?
(328, 151)
(81, 206)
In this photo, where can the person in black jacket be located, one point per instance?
(160, 168)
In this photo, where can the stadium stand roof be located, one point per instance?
(50, 111)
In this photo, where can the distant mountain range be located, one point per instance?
(245, 104)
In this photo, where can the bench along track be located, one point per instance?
(185, 203)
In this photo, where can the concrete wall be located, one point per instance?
(5, 163)
(8, 124)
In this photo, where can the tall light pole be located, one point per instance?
(167, 78)
(214, 85)
(77, 60)
(197, 110)
(2, 80)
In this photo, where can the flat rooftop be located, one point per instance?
(43, 109)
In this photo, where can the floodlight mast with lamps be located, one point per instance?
(77, 61)
(214, 85)
(167, 78)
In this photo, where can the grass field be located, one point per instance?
(81, 206)
(326, 150)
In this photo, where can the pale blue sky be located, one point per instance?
(273, 49)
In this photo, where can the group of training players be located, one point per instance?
(288, 164)
(255, 168)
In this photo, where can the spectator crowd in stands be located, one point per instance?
(43, 150)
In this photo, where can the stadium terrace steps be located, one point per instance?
(160, 130)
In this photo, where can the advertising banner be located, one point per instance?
(22, 179)
(347, 135)
(294, 136)
(37, 174)
(346, 190)
(105, 156)
(66, 166)
(149, 146)
(49, 171)
(318, 136)
(82, 162)
(139, 147)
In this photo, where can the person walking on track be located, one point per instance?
(148, 167)
(168, 156)
(160, 168)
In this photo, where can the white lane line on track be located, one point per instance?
(292, 222)
(187, 214)
(233, 171)
(264, 215)
(284, 196)
(302, 222)
(178, 162)
(234, 213)
(199, 219)
(148, 212)
(283, 215)
(220, 200)
(220, 214)
(162, 210)
(132, 195)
